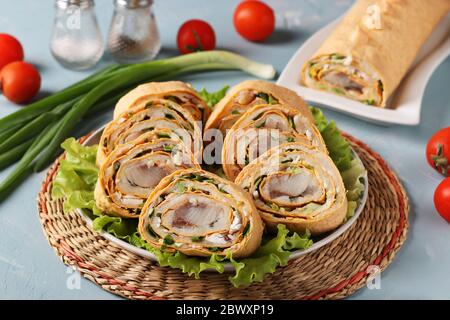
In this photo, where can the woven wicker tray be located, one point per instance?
(332, 272)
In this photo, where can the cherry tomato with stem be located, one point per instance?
(196, 35)
(438, 151)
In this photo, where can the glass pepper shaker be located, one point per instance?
(76, 41)
(133, 34)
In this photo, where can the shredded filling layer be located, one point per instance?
(194, 212)
(346, 76)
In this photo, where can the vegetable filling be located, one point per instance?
(346, 76)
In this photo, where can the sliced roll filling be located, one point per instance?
(248, 94)
(296, 185)
(173, 130)
(243, 101)
(192, 103)
(153, 115)
(179, 92)
(264, 127)
(139, 176)
(250, 143)
(283, 119)
(198, 213)
(292, 187)
(346, 76)
(294, 190)
(131, 172)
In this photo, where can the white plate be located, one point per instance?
(94, 139)
(403, 107)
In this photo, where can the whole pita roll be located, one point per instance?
(264, 127)
(199, 214)
(247, 94)
(296, 185)
(154, 114)
(372, 48)
(177, 91)
(132, 171)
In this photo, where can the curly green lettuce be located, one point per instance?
(76, 177)
(350, 167)
(75, 182)
(212, 98)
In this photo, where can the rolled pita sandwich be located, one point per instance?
(154, 114)
(247, 94)
(132, 171)
(372, 48)
(200, 214)
(176, 91)
(296, 185)
(264, 127)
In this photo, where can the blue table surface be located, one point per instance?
(29, 268)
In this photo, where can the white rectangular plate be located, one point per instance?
(403, 107)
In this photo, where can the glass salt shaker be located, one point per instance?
(133, 34)
(76, 42)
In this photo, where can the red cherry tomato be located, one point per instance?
(196, 35)
(10, 50)
(438, 151)
(20, 81)
(254, 20)
(442, 199)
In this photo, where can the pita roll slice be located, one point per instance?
(247, 94)
(264, 127)
(199, 214)
(155, 114)
(133, 170)
(176, 91)
(296, 185)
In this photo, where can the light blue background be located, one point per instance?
(29, 269)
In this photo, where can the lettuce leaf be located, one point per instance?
(121, 228)
(353, 184)
(275, 252)
(351, 169)
(190, 265)
(213, 98)
(338, 147)
(76, 179)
